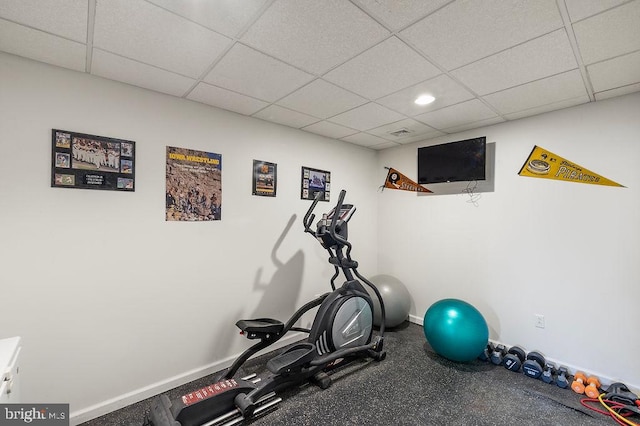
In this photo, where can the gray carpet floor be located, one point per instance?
(412, 386)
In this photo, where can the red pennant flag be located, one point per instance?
(396, 180)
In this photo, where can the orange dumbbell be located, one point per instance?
(579, 382)
(592, 390)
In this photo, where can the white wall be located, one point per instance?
(112, 302)
(567, 251)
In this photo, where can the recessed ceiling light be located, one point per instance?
(424, 99)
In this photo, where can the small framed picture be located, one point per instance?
(265, 178)
(314, 181)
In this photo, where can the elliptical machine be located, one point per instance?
(341, 331)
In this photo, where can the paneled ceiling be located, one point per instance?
(349, 70)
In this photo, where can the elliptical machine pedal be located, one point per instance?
(263, 406)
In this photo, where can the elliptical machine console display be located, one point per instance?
(323, 227)
(342, 330)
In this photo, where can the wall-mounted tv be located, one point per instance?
(453, 162)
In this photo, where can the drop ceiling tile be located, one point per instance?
(397, 17)
(228, 17)
(563, 86)
(413, 129)
(547, 55)
(367, 117)
(331, 130)
(255, 74)
(322, 99)
(225, 99)
(388, 67)
(549, 107)
(617, 72)
(420, 138)
(609, 34)
(114, 67)
(365, 139)
(66, 18)
(40, 46)
(319, 34)
(144, 32)
(443, 88)
(467, 30)
(385, 145)
(475, 125)
(580, 9)
(457, 115)
(280, 115)
(617, 92)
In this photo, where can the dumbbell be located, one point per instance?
(485, 355)
(579, 382)
(534, 365)
(498, 354)
(512, 361)
(592, 390)
(548, 373)
(562, 379)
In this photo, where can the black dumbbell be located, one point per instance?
(534, 365)
(562, 379)
(513, 359)
(485, 355)
(548, 373)
(498, 354)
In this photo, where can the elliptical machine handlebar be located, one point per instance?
(334, 221)
(309, 216)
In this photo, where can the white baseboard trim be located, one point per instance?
(121, 401)
(416, 320)
(572, 368)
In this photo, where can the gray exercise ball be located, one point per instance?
(396, 298)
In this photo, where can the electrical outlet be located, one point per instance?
(539, 320)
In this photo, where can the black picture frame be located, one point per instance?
(314, 181)
(265, 178)
(84, 161)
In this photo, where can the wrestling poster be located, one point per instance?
(194, 185)
(547, 165)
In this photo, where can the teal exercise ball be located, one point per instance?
(456, 330)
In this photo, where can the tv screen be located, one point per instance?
(453, 162)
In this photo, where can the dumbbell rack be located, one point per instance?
(618, 400)
(535, 366)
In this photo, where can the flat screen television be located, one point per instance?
(453, 162)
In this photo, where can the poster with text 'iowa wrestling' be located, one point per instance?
(194, 185)
(547, 165)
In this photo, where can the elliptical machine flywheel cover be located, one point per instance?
(351, 322)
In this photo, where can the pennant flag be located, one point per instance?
(547, 165)
(396, 180)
